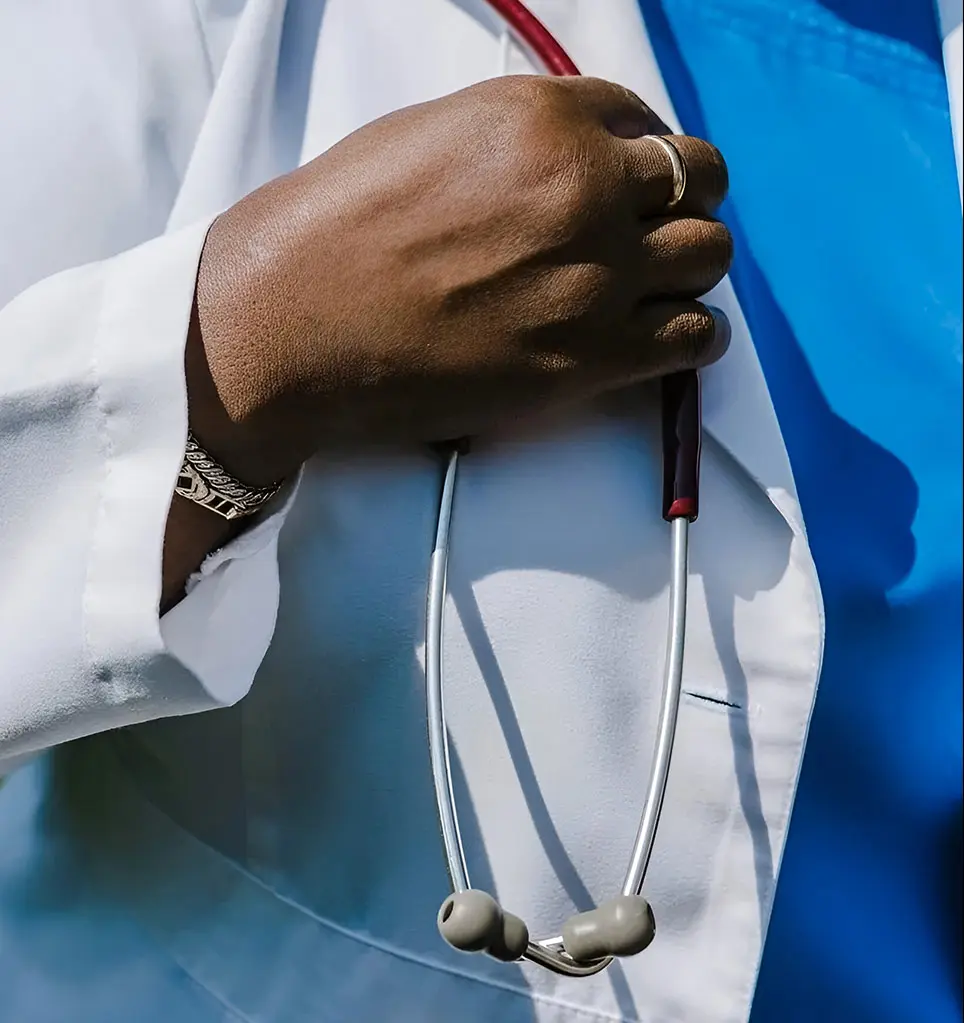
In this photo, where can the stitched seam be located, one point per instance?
(205, 44)
(204, 989)
(856, 53)
(759, 19)
(370, 942)
(816, 670)
(526, 993)
(107, 452)
(423, 961)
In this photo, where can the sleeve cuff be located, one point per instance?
(95, 411)
(221, 630)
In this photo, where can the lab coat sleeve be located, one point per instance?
(93, 420)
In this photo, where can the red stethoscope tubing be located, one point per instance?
(535, 37)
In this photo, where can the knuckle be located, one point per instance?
(624, 113)
(719, 244)
(580, 289)
(535, 97)
(572, 182)
(523, 108)
(705, 165)
(697, 336)
(714, 157)
(718, 174)
(704, 246)
(570, 192)
(621, 94)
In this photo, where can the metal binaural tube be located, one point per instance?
(438, 737)
(669, 712)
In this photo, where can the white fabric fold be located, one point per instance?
(93, 418)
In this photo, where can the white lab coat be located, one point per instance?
(278, 860)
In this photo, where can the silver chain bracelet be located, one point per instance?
(205, 482)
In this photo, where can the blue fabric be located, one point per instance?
(833, 118)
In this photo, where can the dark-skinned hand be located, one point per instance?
(451, 267)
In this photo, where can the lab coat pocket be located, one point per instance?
(710, 877)
(700, 810)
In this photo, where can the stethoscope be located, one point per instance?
(470, 919)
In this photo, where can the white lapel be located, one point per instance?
(236, 149)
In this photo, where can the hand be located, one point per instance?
(450, 267)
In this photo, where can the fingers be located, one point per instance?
(680, 334)
(646, 160)
(622, 112)
(653, 181)
(683, 258)
(649, 171)
(662, 337)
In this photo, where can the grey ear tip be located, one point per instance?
(472, 921)
(515, 937)
(623, 926)
(469, 920)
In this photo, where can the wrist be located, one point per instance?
(192, 532)
(233, 444)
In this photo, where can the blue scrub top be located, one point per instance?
(833, 117)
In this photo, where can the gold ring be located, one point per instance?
(678, 167)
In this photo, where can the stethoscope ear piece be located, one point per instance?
(472, 921)
(623, 926)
